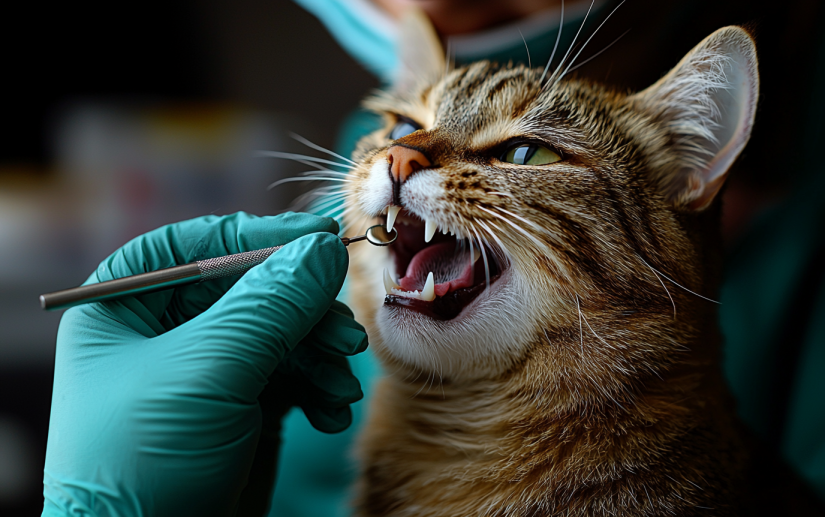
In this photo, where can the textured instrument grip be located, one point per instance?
(235, 264)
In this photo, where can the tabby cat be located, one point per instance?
(545, 318)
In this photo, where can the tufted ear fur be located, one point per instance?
(420, 54)
(707, 104)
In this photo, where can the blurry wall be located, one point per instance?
(117, 120)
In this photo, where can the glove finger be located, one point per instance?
(323, 376)
(240, 340)
(207, 237)
(338, 333)
(257, 494)
(328, 420)
(198, 239)
(328, 380)
(342, 309)
(240, 233)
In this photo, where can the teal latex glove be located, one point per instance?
(170, 403)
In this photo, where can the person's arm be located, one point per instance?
(170, 403)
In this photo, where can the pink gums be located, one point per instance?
(416, 270)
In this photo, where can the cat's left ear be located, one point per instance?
(707, 105)
(421, 57)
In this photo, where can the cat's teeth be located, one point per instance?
(476, 255)
(444, 231)
(392, 213)
(428, 293)
(429, 230)
(389, 283)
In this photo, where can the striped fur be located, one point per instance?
(586, 382)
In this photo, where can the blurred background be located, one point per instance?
(117, 120)
(120, 119)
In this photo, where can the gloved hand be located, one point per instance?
(168, 403)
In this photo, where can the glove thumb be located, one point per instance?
(246, 333)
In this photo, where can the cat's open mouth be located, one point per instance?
(438, 278)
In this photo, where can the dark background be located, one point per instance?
(79, 82)
(268, 62)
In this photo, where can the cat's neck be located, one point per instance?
(446, 441)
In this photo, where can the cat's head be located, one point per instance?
(567, 208)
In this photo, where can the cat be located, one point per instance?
(546, 317)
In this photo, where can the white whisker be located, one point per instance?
(289, 180)
(581, 330)
(590, 38)
(520, 229)
(348, 224)
(327, 202)
(314, 195)
(484, 256)
(664, 286)
(572, 44)
(597, 54)
(314, 164)
(677, 284)
(471, 252)
(493, 234)
(532, 224)
(334, 210)
(558, 37)
(344, 212)
(564, 208)
(298, 157)
(529, 61)
(594, 332)
(326, 172)
(319, 148)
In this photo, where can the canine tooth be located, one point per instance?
(476, 255)
(392, 213)
(429, 230)
(428, 293)
(389, 283)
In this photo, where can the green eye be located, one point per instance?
(530, 154)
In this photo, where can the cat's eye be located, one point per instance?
(403, 128)
(530, 154)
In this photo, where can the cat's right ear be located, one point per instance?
(421, 57)
(706, 105)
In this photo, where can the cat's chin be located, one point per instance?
(484, 339)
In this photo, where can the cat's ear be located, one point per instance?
(707, 105)
(421, 58)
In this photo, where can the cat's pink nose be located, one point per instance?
(405, 161)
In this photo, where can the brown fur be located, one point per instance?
(609, 399)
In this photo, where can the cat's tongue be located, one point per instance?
(451, 269)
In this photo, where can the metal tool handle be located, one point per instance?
(199, 271)
(209, 269)
(236, 264)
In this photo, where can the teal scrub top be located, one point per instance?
(777, 262)
(773, 310)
